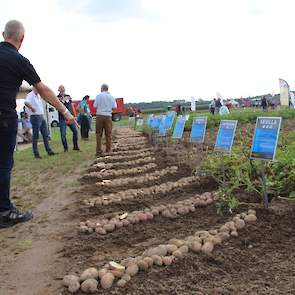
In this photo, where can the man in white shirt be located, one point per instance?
(104, 104)
(35, 110)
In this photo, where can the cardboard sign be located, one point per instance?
(179, 128)
(199, 129)
(265, 138)
(225, 135)
(169, 119)
(131, 121)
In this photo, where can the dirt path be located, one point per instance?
(29, 252)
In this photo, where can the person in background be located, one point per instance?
(66, 100)
(104, 104)
(223, 110)
(212, 106)
(218, 105)
(264, 103)
(84, 117)
(35, 109)
(14, 68)
(26, 132)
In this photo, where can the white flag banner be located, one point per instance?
(193, 104)
(218, 95)
(284, 92)
(292, 98)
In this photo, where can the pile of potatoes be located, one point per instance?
(149, 177)
(107, 174)
(162, 255)
(104, 226)
(100, 166)
(132, 152)
(131, 194)
(115, 158)
(135, 146)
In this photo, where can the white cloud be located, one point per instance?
(159, 49)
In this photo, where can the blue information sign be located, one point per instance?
(179, 128)
(162, 129)
(169, 120)
(199, 129)
(156, 122)
(265, 138)
(225, 135)
(149, 120)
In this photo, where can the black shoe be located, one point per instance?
(66, 150)
(51, 153)
(38, 157)
(13, 217)
(76, 149)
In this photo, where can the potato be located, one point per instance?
(231, 225)
(162, 250)
(213, 232)
(118, 224)
(224, 229)
(178, 243)
(157, 260)
(132, 270)
(250, 218)
(121, 283)
(240, 223)
(243, 215)
(149, 261)
(216, 240)
(100, 231)
(109, 227)
(177, 254)
(69, 279)
(195, 246)
(207, 248)
(117, 273)
(89, 286)
(126, 277)
(74, 287)
(251, 211)
(107, 280)
(142, 265)
(171, 248)
(84, 229)
(167, 260)
(89, 273)
(234, 233)
(102, 272)
(116, 266)
(183, 249)
(149, 215)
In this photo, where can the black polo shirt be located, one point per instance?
(14, 68)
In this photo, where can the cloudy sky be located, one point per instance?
(159, 49)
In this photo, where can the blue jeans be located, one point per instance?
(63, 134)
(8, 131)
(39, 124)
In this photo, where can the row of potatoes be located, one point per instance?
(162, 255)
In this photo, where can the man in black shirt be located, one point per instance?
(14, 68)
(66, 100)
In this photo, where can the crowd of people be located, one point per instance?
(14, 68)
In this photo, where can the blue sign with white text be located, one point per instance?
(169, 120)
(265, 138)
(225, 135)
(199, 129)
(179, 128)
(162, 129)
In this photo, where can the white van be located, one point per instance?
(52, 114)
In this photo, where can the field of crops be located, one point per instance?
(146, 224)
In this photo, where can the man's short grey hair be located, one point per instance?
(14, 29)
(104, 87)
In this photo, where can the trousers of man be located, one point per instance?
(39, 125)
(63, 134)
(103, 124)
(8, 131)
